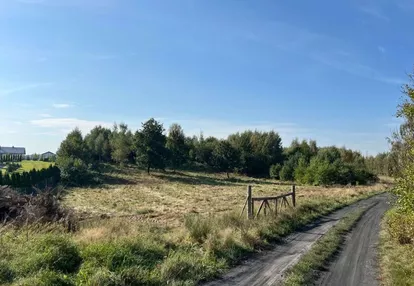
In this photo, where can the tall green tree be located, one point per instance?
(150, 145)
(121, 143)
(226, 158)
(98, 142)
(73, 159)
(176, 144)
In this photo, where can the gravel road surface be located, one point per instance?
(269, 267)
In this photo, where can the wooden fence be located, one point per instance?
(278, 202)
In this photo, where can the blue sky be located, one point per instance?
(326, 70)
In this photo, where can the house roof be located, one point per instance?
(48, 153)
(12, 150)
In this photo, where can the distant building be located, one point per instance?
(47, 155)
(14, 152)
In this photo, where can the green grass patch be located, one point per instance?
(305, 272)
(28, 165)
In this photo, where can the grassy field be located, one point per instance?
(166, 197)
(159, 229)
(30, 165)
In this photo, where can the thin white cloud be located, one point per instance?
(374, 11)
(357, 69)
(67, 124)
(62, 105)
(21, 88)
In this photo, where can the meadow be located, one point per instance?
(175, 228)
(28, 165)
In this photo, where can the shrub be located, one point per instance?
(74, 171)
(287, 173)
(401, 226)
(274, 171)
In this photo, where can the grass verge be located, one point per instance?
(205, 248)
(305, 272)
(397, 248)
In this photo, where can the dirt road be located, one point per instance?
(269, 267)
(356, 264)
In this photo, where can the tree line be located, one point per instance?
(31, 178)
(252, 153)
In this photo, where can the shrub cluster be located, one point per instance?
(30, 179)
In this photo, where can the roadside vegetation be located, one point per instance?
(306, 271)
(193, 246)
(397, 237)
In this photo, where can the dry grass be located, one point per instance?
(165, 198)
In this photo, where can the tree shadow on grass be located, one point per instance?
(198, 179)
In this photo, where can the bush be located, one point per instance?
(11, 167)
(287, 173)
(401, 226)
(74, 171)
(274, 171)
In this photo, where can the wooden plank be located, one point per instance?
(271, 198)
(260, 208)
(268, 206)
(244, 207)
(250, 203)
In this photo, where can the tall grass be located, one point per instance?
(125, 252)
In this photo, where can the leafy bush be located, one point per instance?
(287, 172)
(74, 171)
(274, 171)
(11, 167)
(401, 226)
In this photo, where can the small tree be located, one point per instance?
(72, 159)
(225, 157)
(121, 143)
(176, 145)
(150, 145)
(274, 171)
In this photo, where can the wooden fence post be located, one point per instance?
(249, 203)
(294, 195)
